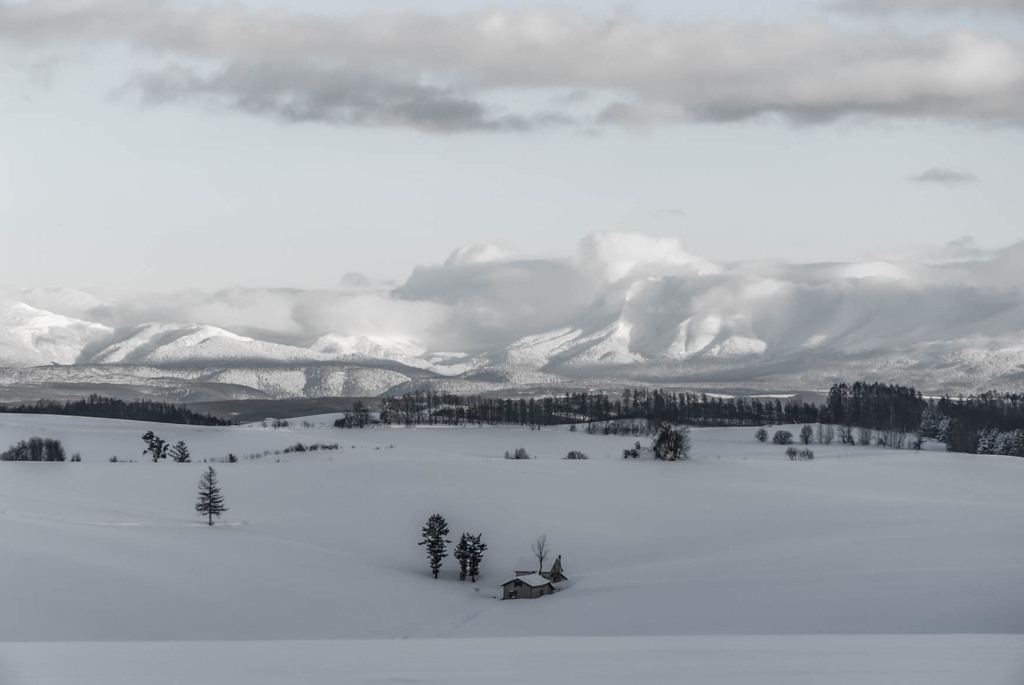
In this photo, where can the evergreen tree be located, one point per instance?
(210, 502)
(1017, 444)
(434, 532)
(461, 554)
(477, 547)
(179, 452)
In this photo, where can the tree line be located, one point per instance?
(697, 409)
(893, 415)
(111, 408)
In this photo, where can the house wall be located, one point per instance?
(524, 591)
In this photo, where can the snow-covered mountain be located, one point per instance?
(611, 316)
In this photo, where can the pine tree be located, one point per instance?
(210, 502)
(477, 547)
(433, 537)
(461, 554)
(179, 452)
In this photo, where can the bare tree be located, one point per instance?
(541, 551)
(805, 433)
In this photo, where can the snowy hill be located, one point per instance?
(321, 545)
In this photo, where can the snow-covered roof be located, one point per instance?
(533, 580)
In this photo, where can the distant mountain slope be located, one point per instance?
(616, 315)
(33, 337)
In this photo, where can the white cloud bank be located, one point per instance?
(930, 6)
(451, 73)
(484, 299)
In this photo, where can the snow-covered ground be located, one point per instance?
(773, 556)
(796, 660)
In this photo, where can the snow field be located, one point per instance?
(791, 660)
(322, 546)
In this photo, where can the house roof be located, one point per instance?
(533, 580)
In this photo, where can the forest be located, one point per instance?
(112, 408)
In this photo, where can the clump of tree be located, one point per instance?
(761, 435)
(469, 552)
(672, 443)
(211, 501)
(782, 437)
(35, 449)
(799, 455)
(434, 532)
(575, 455)
(358, 417)
(519, 453)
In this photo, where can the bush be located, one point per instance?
(761, 435)
(799, 455)
(575, 455)
(76, 457)
(791, 453)
(782, 438)
(520, 453)
(632, 453)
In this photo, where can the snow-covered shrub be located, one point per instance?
(761, 435)
(520, 453)
(575, 455)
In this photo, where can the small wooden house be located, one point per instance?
(527, 587)
(552, 570)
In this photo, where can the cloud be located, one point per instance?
(664, 300)
(944, 176)
(296, 93)
(929, 6)
(450, 73)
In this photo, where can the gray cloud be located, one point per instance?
(931, 6)
(943, 176)
(450, 72)
(298, 93)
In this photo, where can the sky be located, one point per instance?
(152, 147)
